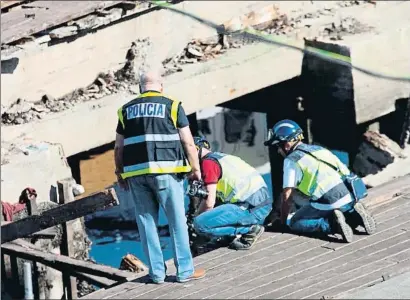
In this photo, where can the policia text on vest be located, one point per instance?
(151, 140)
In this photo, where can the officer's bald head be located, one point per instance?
(150, 78)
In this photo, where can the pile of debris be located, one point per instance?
(123, 80)
(22, 111)
(375, 153)
(213, 47)
(346, 26)
(198, 51)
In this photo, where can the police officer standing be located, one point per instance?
(154, 149)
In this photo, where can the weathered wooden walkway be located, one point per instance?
(290, 266)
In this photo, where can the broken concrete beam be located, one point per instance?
(209, 84)
(63, 32)
(258, 17)
(375, 153)
(35, 43)
(95, 21)
(35, 74)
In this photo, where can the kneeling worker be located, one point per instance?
(317, 173)
(241, 190)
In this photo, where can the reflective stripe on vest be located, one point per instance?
(320, 182)
(152, 143)
(239, 180)
(151, 138)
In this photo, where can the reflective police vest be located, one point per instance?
(151, 141)
(323, 184)
(239, 181)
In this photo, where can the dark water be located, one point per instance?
(110, 250)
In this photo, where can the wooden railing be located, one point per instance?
(41, 225)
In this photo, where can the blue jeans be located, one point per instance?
(229, 220)
(150, 191)
(310, 219)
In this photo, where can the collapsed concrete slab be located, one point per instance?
(32, 164)
(242, 71)
(59, 69)
(198, 87)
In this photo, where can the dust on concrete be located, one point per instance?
(105, 84)
(197, 51)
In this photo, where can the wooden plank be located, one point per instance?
(3, 267)
(297, 286)
(223, 251)
(5, 4)
(361, 276)
(388, 190)
(268, 240)
(15, 25)
(14, 274)
(396, 219)
(402, 266)
(49, 233)
(58, 215)
(65, 195)
(32, 210)
(275, 252)
(275, 281)
(231, 281)
(390, 205)
(390, 212)
(227, 272)
(112, 292)
(245, 281)
(97, 280)
(233, 259)
(61, 262)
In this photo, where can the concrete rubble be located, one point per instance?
(124, 79)
(97, 19)
(131, 263)
(105, 84)
(375, 153)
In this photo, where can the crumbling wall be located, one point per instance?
(76, 64)
(269, 19)
(32, 164)
(375, 153)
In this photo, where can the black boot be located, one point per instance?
(246, 241)
(366, 219)
(340, 226)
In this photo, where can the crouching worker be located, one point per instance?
(241, 190)
(317, 173)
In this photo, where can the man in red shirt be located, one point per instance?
(242, 192)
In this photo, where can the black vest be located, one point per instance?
(151, 140)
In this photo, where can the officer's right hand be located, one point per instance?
(195, 175)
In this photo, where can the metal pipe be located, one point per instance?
(28, 281)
